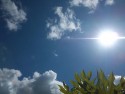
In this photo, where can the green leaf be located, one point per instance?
(62, 89)
(77, 78)
(75, 84)
(102, 84)
(111, 78)
(89, 75)
(66, 86)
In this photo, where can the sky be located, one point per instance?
(41, 42)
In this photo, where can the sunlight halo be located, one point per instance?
(108, 38)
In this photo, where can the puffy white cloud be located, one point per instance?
(91, 4)
(109, 2)
(45, 83)
(55, 32)
(13, 15)
(117, 79)
(66, 22)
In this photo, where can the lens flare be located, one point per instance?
(108, 38)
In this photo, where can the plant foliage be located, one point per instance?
(84, 84)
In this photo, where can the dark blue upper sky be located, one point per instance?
(28, 49)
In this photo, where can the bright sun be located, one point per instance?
(107, 38)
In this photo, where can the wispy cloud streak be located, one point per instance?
(13, 15)
(66, 22)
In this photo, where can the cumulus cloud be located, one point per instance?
(91, 4)
(109, 2)
(66, 22)
(45, 83)
(117, 79)
(13, 15)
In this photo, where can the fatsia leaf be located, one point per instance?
(62, 89)
(77, 77)
(89, 75)
(111, 78)
(75, 84)
(102, 84)
(83, 75)
(66, 86)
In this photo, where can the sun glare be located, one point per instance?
(107, 38)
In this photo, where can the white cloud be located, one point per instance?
(55, 32)
(13, 15)
(66, 22)
(109, 2)
(91, 4)
(117, 79)
(45, 83)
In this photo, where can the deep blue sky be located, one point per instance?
(29, 50)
